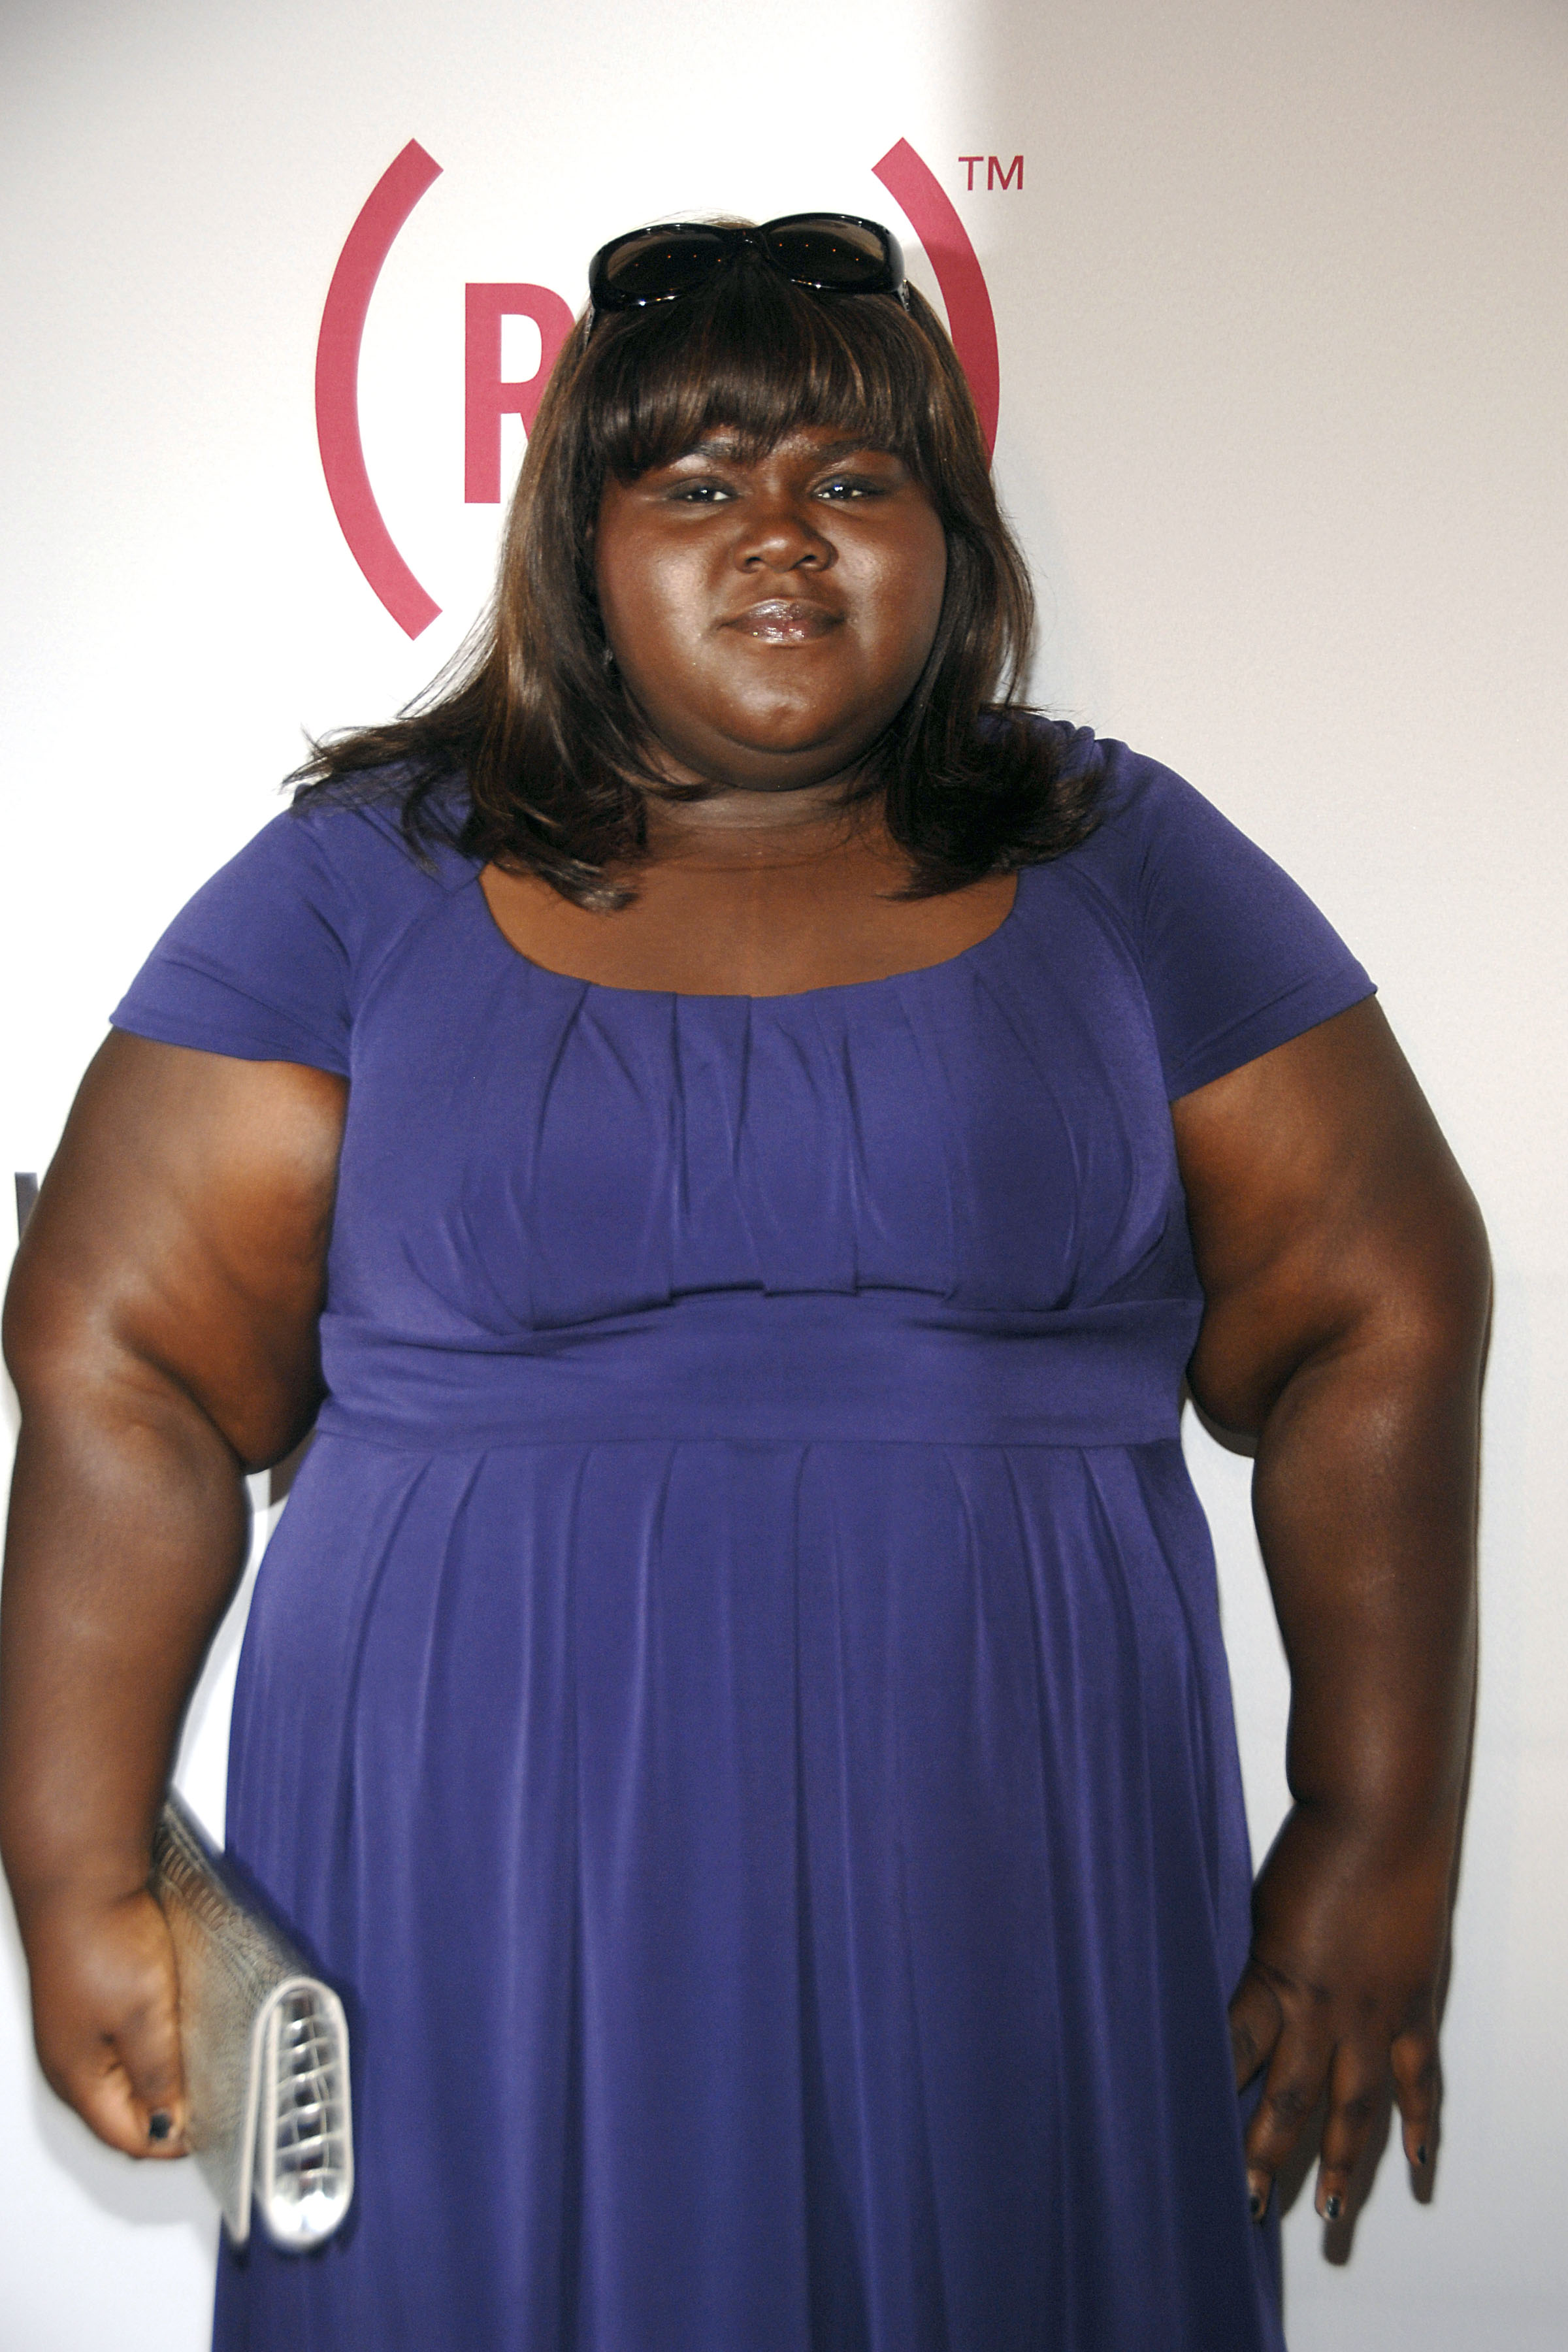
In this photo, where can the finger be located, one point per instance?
(1255, 2019)
(149, 2052)
(1291, 2089)
(101, 2093)
(1418, 2089)
(106, 2018)
(138, 2107)
(1358, 2082)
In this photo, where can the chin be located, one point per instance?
(836, 739)
(784, 766)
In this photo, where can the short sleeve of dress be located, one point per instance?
(1236, 959)
(259, 964)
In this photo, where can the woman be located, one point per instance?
(747, 1129)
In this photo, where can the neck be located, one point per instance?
(753, 828)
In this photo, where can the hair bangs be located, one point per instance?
(760, 356)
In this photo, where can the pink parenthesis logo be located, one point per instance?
(914, 187)
(369, 242)
(911, 183)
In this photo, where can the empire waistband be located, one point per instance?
(801, 1368)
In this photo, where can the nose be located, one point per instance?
(779, 533)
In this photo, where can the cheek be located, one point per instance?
(644, 603)
(906, 597)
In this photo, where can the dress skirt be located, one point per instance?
(787, 1895)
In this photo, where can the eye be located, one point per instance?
(840, 488)
(700, 493)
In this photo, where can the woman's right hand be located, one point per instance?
(106, 2016)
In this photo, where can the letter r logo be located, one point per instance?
(487, 398)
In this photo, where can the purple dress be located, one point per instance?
(736, 1698)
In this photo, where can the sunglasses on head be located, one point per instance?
(828, 253)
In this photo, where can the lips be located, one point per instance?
(785, 621)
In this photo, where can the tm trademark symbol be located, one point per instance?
(997, 174)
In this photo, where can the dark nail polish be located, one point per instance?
(1332, 2207)
(160, 2124)
(1421, 2153)
(1254, 2204)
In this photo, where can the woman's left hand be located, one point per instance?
(1350, 1935)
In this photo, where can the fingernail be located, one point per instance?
(1256, 2197)
(1421, 2153)
(160, 2124)
(1332, 2207)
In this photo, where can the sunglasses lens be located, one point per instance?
(824, 251)
(659, 266)
(838, 255)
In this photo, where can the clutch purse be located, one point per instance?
(265, 2046)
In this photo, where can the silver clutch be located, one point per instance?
(265, 2046)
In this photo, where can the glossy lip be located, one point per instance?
(785, 621)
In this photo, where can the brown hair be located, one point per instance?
(531, 716)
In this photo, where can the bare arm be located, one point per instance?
(1346, 1273)
(160, 1331)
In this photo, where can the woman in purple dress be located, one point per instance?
(734, 1133)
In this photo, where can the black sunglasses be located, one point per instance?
(829, 253)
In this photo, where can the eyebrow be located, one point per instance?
(729, 446)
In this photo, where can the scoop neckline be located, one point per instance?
(740, 996)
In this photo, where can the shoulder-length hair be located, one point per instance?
(531, 716)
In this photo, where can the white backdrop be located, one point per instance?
(1280, 304)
